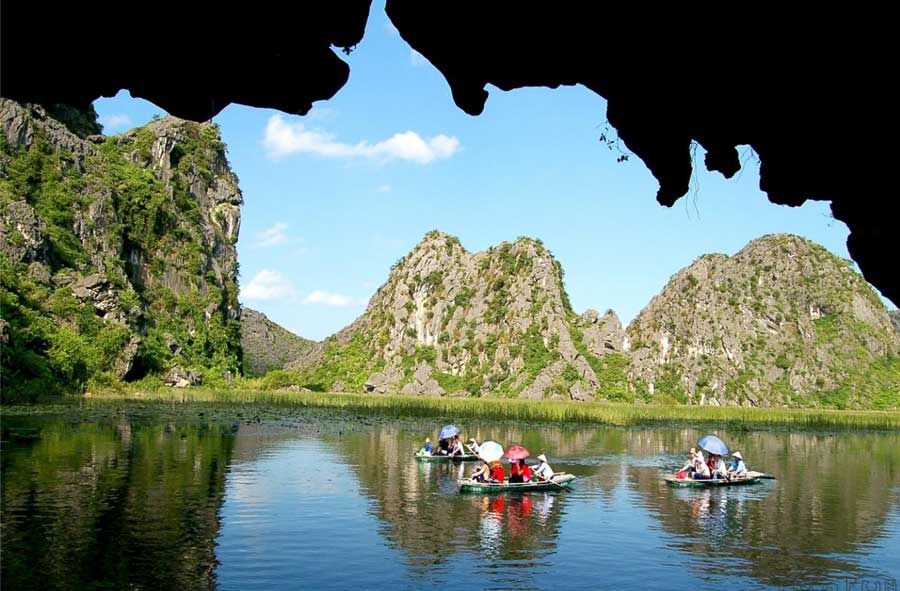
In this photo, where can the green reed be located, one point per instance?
(621, 414)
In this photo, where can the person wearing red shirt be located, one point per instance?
(524, 471)
(497, 472)
(520, 472)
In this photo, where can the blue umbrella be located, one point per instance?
(449, 431)
(714, 445)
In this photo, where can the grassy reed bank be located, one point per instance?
(532, 411)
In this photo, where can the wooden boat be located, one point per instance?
(558, 482)
(465, 458)
(751, 478)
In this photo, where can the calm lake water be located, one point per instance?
(132, 496)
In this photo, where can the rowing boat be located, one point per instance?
(711, 483)
(465, 458)
(557, 482)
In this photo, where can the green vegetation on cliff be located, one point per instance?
(781, 323)
(107, 271)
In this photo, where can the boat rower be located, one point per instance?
(543, 470)
(738, 468)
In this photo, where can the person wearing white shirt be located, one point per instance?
(701, 470)
(473, 446)
(543, 470)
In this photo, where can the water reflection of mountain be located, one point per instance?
(832, 500)
(111, 505)
(424, 515)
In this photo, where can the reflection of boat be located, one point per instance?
(466, 458)
(557, 482)
(711, 483)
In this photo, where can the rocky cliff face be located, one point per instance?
(782, 322)
(267, 345)
(118, 254)
(450, 322)
(895, 320)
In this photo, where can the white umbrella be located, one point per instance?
(490, 451)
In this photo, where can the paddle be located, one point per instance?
(554, 482)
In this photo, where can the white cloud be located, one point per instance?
(115, 121)
(272, 236)
(416, 58)
(269, 285)
(324, 298)
(283, 138)
(384, 189)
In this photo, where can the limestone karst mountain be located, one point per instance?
(118, 253)
(783, 322)
(266, 345)
(451, 322)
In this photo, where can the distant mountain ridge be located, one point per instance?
(781, 323)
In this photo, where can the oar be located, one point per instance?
(556, 483)
(761, 475)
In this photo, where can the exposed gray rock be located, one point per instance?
(125, 359)
(21, 233)
(895, 320)
(422, 384)
(775, 324)
(447, 315)
(602, 334)
(193, 259)
(580, 393)
(178, 377)
(266, 345)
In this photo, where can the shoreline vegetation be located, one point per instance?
(599, 413)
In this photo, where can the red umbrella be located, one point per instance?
(517, 452)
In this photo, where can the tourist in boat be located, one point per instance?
(524, 470)
(514, 472)
(426, 449)
(719, 470)
(688, 468)
(543, 470)
(701, 470)
(457, 447)
(519, 472)
(498, 475)
(738, 468)
(698, 460)
(482, 474)
(443, 448)
(473, 446)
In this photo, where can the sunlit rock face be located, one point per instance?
(266, 345)
(782, 322)
(451, 322)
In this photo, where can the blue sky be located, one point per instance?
(334, 198)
